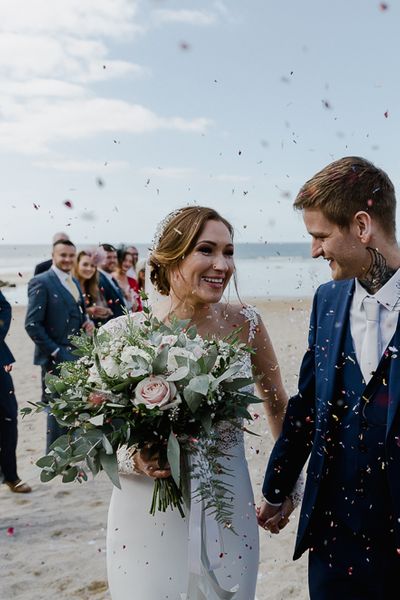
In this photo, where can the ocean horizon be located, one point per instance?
(267, 270)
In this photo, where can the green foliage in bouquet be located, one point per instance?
(141, 383)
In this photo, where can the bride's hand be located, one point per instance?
(146, 462)
(274, 518)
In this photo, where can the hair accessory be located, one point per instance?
(161, 228)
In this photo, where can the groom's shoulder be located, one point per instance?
(331, 289)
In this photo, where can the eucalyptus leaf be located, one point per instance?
(237, 384)
(45, 461)
(98, 420)
(179, 374)
(110, 466)
(174, 457)
(70, 475)
(160, 362)
(193, 399)
(228, 373)
(200, 384)
(106, 445)
(46, 476)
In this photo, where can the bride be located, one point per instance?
(166, 556)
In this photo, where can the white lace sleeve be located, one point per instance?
(125, 460)
(252, 316)
(297, 492)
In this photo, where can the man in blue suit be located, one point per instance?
(345, 418)
(8, 408)
(56, 311)
(108, 284)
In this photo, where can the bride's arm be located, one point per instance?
(268, 378)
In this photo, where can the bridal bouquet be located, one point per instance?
(139, 383)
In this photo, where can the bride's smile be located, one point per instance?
(203, 275)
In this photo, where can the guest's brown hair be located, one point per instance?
(90, 286)
(349, 185)
(177, 239)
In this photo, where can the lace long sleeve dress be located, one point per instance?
(167, 557)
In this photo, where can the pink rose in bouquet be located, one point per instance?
(155, 392)
(98, 398)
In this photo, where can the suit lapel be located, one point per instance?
(335, 333)
(394, 380)
(65, 294)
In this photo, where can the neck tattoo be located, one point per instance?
(378, 272)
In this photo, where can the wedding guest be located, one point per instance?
(132, 271)
(85, 271)
(56, 310)
(128, 285)
(8, 409)
(141, 273)
(108, 284)
(46, 264)
(345, 419)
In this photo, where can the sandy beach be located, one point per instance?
(52, 541)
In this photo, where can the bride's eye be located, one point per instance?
(205, 249)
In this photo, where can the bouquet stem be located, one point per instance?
(166, 493)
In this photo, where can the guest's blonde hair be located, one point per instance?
(177, 238)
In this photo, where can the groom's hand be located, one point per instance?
(274, 518)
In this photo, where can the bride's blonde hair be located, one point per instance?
(178, 236)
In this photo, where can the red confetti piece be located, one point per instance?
(10, 531)
(383, 6)
(19, 274)
(370, 202)
(68, 203)
(386, 114)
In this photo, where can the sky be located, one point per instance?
(114, 112)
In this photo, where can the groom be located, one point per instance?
(345, 417)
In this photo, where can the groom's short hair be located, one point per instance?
(349, 185)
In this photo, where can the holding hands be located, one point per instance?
(274, 518)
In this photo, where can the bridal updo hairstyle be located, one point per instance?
(176, 239)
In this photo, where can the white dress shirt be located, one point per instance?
(62, 276)
(389, 299)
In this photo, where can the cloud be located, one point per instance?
(51, 54)
(31, 128)
(189, 17)
(81, 18)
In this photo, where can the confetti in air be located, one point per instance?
(68, 203)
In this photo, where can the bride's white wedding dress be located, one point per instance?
(161, 557)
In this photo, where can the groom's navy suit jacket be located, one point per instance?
(52, 317)
(329, 372)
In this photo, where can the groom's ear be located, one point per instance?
(363, 226)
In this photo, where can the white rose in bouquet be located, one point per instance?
(110, 366)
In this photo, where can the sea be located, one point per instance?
(268, 270)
